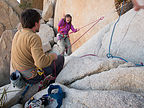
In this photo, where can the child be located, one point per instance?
(64, 27)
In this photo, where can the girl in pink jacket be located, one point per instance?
(64, 27)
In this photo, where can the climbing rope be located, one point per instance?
(47, 98)
(59, 96)
(109, 55)
(95, 22)
(88, 55)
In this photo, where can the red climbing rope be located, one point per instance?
(95, 22)
(88, 55)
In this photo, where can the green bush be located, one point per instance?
(25, 5)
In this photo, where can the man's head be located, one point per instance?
(30, 18)
(68, 18)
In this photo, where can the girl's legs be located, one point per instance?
(68, 45)
(61, 44)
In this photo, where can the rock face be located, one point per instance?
(85, 66)
(126, 79)
(56, 49)
(47, 10)
(9, 14)
(15, 5)
(98, 82)
(34, 3)
(97, 99)
(50, 22)
(127, 40)
(5, 50)
(47, 34)
(85, 12)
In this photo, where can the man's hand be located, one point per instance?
(78, 29)
(55, 55)
(63, 14)
(137, 5)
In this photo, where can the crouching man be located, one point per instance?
(27, 55)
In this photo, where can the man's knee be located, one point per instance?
(61, 58)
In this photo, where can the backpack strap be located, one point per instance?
(61, 27)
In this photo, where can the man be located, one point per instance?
(138, 4)
(27, 55)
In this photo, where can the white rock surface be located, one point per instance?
(56, 49)
(47, 34)
(78, 68)
(97, 99)
(19, 26)
(14, 94)
(127, 40)
(126, 79)
(50, 22)
(47, 10)
(42, 21)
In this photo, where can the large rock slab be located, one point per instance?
(97, 99)
(56, 49)
(78, 68)
(127, 40)
(47, 34)
(47, 10)
(5, 55)
(50, 22)
(126, 79)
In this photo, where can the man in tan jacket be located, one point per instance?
(27, 55)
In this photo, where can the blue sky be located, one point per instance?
(18, 1)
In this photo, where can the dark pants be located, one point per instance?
(53, 69)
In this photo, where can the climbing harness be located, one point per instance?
(109, 55)
(47, 98)
(18, 81)
(95, 22)
(44, 83)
